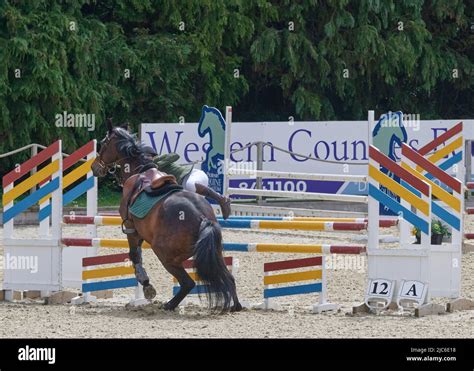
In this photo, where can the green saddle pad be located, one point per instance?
(144, 203)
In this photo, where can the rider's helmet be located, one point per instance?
(149, 152)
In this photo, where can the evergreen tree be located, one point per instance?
(158, 60)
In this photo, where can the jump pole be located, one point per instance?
(116, 243)
(244, 224)
(383, 223)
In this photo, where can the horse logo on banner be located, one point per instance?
(389, 133)
(212, 123)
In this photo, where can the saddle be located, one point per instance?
(154, 179)
(151, 181)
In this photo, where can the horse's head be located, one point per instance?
(108, 154)
(111, 149)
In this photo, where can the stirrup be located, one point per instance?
(126, 230)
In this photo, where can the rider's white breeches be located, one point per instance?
(195, 176)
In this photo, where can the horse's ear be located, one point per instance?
(110, 126)
(125, 126)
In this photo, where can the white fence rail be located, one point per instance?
(296, 195)
(306, 176)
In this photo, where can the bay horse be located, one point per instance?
(181, 226)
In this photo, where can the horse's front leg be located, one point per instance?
(135, 246)
(135, 253)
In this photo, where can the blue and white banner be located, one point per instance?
(341, 145)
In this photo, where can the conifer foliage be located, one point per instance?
(160, 60)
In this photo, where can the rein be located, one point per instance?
(112, 167)
(119, 175)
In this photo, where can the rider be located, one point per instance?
(191, 179)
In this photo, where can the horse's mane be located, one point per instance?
(129, 146)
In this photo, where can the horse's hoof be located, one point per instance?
(225, 207)
(169, 307)
(236, 308)
(149, 292)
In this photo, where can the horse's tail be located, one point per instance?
(211, 268)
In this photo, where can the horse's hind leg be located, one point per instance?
(186, 285)
(135, 253)
(236, 307)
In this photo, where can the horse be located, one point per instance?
(181, 226)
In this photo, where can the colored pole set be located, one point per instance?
(229, 246)
(244, 223)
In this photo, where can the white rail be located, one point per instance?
(296, 195)
(282, 174)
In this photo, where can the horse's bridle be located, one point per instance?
(99, 160)
(110, 168)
